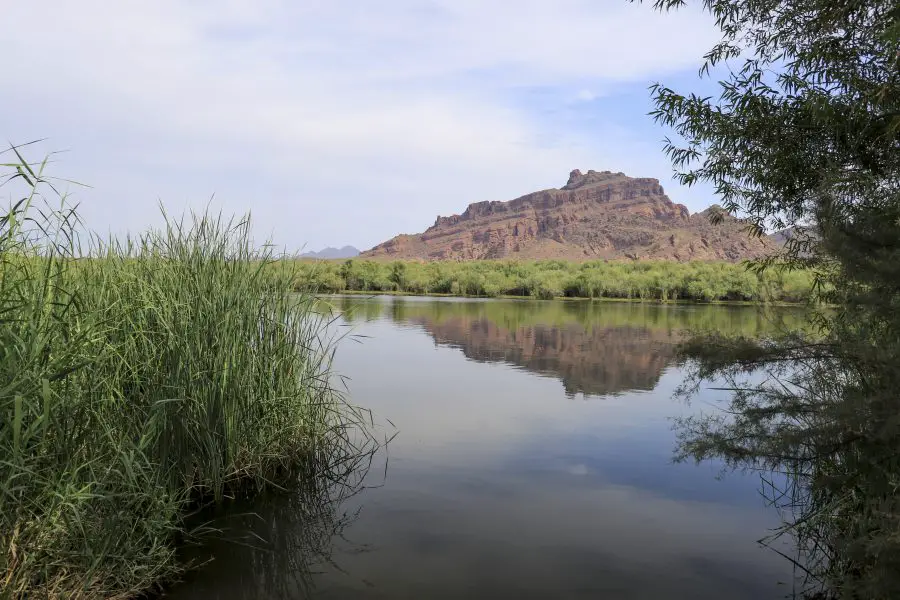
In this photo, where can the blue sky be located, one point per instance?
(340, 122)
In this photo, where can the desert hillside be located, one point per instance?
(598, 214)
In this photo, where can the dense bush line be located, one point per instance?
(647, 280)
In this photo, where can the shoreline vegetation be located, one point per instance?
(659, 281)
(568, 299)
(163, 375)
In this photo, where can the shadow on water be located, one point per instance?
(272, 547)
(826, 443)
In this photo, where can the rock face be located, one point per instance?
(596, 215)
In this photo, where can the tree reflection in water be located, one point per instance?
(272, 548)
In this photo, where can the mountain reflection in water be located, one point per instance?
(593, 348)
(496, 486)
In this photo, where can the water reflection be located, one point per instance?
(593, 348)
(605, 360)
(497, 489)
(272, 548)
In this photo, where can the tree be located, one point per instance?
(398, 275)
(804, 134)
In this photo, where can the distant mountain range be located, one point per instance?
(596, 215)
(345, 252)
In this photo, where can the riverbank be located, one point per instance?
(663, 281)
(569, 299)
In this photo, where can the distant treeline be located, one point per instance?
(643, 280)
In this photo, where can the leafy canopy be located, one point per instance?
(804, 134)
(805, 128)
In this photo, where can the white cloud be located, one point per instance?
(309, 112)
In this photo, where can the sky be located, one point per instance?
(338, 122)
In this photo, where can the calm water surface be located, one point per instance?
(533, 460)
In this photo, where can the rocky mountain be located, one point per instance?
(345, 252)
(596, 215)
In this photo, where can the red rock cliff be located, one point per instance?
(595, 215)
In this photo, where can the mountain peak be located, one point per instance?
(574, 176)
(578, 179)
(598, 214)
(345, 252)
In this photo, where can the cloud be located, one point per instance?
(313, 113)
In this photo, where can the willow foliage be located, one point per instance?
(804, 134)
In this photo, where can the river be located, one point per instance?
(533, 459)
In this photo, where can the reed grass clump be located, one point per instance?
(140, 378)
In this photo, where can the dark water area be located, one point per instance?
(533, 459)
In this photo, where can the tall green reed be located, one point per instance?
(139, 377)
